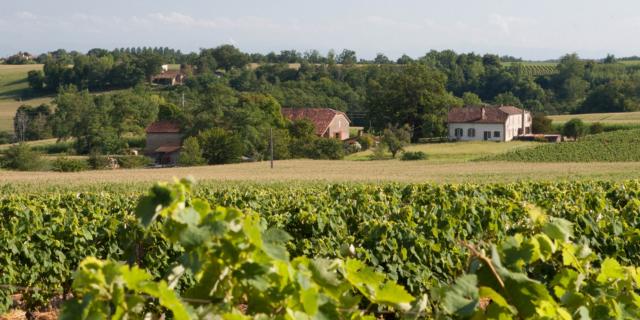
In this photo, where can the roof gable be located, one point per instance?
(320, 117)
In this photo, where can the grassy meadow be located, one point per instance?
(605, 118)
(14, 92)
(13, 80)
(453, 152)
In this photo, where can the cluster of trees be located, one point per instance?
(97, 70)
(225, 103)
(101, 123)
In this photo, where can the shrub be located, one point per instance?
(574, 128)
(98, 162)
(129, 162)
(596, 127)
(353, 147)
(137, 142)
(5, 137)
(366, 141)
(220, 146)
(64, 164)
(327, 148)
(20, 157)
(379, 152)
(395, 138)
(541, 124)
(55, 148)
(191, 154)
(413, 155)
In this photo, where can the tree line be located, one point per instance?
(221, 91)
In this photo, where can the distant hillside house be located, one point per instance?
(493, 123)
(328, 122)
(164, 141)
(169, 78)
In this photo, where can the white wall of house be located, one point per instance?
(514, 124)
(480, 129)
(338, 128)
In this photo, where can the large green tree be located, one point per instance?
(414, 95)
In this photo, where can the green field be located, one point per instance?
(451, 152)
(605, 118)
(13, 80)
(14, 92)
(615, 146)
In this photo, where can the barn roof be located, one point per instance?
(320, 117)
(482, 114)
(163, 127)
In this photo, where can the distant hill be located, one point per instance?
(616, 146)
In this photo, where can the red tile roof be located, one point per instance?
(320, 117)
(163, 127)
(481, 114)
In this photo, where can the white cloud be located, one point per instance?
(26, 15)
(508, 23)
(184, 20)
(392, 23)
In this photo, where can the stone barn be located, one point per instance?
(164, 141)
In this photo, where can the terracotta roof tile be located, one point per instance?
(481, 114)
(163, 127)
(320, 117)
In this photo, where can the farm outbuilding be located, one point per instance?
(164, 141)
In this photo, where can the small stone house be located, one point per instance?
(491, 123)
(164, 141)
(328, 123)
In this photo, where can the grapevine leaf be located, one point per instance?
(559, 229)
(322, 273)
(462, 297)
(146, 210)
(309, 298)
(610, 271)
(395, 295)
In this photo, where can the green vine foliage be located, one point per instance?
(241, 269)
(410, 232)
(544, 276)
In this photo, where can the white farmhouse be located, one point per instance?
(492, 123)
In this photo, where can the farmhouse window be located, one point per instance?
(496, 134)
(471, 132)
(458, 132)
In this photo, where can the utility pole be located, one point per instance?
(183, 101)
(271, 145)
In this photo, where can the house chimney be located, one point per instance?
(483, 115)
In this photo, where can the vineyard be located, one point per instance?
(420, 236)
(616, 146)
(536, 70)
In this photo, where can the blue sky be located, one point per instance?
(542, 29)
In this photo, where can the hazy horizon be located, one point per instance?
(533, 31)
